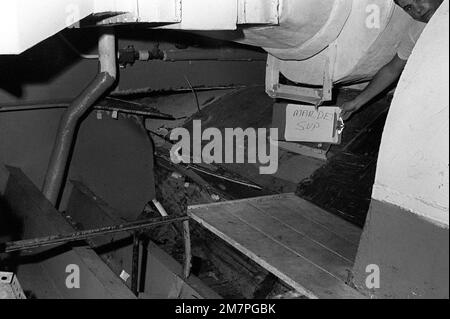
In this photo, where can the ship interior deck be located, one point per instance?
(242, 221)
(254, 236)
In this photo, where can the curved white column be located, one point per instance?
(413, 170)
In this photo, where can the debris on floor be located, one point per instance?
(229, 273)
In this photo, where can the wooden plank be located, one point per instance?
(295, 270)
(312, 230)
(335, 224)
(298, 243)
(40, 218)
(262, 199)
(306, 209)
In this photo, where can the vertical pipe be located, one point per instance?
(187, 250)
(135, 265)
(104, 80)
(107, 53)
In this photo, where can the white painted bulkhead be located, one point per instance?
(413, 170)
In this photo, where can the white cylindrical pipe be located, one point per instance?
(107, 52)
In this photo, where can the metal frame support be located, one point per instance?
(59, 239)
(315, 96)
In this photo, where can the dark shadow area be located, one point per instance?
(46, 253)
(184, 39)
(344, 185)
(44, 61)
(113, 246)
(11, 229)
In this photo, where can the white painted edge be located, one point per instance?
(437, 214)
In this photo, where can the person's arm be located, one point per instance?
(382, 80)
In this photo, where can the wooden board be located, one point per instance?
(304, 246)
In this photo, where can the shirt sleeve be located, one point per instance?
(409, 40)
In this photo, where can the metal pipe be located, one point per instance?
(66, 132)
(108, 53)
(130, 55)
(213, 54)
(108, 104)
(135, 264)
(187, 250)
(28, 244)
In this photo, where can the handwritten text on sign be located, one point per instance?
(306, 124)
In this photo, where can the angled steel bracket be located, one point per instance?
(315, 96)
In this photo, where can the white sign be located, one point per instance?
(305, 123)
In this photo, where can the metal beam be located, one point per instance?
(87, 234)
